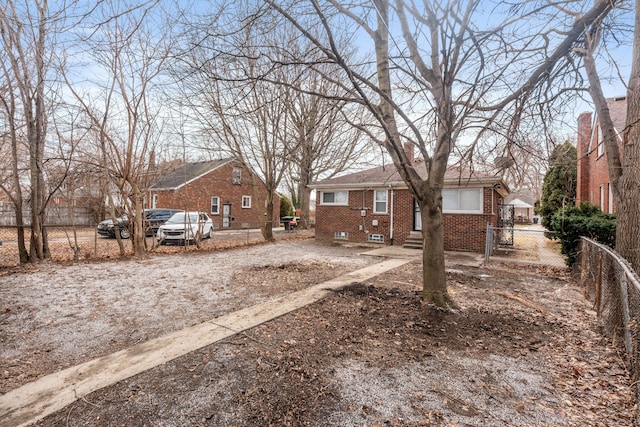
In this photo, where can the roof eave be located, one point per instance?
(486, 181)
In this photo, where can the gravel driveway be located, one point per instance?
(60, 316)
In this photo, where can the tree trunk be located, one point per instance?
(628, 208)
(16, 197)
(267, 226)
(36, 134)
(434, 280)
(304, 193)
(138, 233)
(305, 208)
(607, 129)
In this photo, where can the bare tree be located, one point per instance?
(243, 113)
(27, 43)
(129, 46)
(440, 73)
(323, 125)
(624, 173)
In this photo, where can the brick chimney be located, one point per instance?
(584, 137)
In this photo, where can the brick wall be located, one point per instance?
(462, 231)
(196, 196)
(592, 170)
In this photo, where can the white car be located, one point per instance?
(185, 227)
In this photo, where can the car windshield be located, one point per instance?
(183, 217)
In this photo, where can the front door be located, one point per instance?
(226, 215)
(417, 219)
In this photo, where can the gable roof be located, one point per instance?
(385, 176)
(520, 204)
(187, 173)
(618, 112)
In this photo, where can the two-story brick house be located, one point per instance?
(227, 190)
(375, 206)
(593, 183)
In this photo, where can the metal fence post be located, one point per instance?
(488, 246)
(626, 318)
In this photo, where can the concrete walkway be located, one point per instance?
(34, 401)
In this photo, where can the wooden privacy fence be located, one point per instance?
(613, 286)
(56, 215)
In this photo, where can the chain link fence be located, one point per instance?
(614, 288)
(527, 245)
(73, 243)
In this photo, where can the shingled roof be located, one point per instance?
(618, 111)
(187, 173)
(383, 176)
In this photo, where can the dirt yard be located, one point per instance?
(524, 349)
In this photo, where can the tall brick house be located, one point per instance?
(375, 206)
(593, 184)
(227, 190)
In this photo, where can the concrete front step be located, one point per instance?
(414, 240)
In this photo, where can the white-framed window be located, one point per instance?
(246, 202)
(334, 198)
(600, 142)
(380, 201)
(236, 176)
(602, 207)
(154, 201)
(341, 235)
(462, 200)
(215, 205)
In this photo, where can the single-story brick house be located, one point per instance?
(593, 184)
(375, 206)
(227, 190)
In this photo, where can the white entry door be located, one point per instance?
(226, 215)
(417, 219)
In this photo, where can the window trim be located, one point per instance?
(341, 235)
(246, 205)
(376, 201)
(217, 212)
(479, 210)
(600, 148)
(323, 203)
(236, 176)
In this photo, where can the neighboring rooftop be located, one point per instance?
(388, 175)
(186, 173)
(618, 112)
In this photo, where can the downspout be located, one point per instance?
(391, 218)
(493, 193)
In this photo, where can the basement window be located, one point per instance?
(376, 238)
(341, 235)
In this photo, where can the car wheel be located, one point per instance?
(208, 235)
(124, 233)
